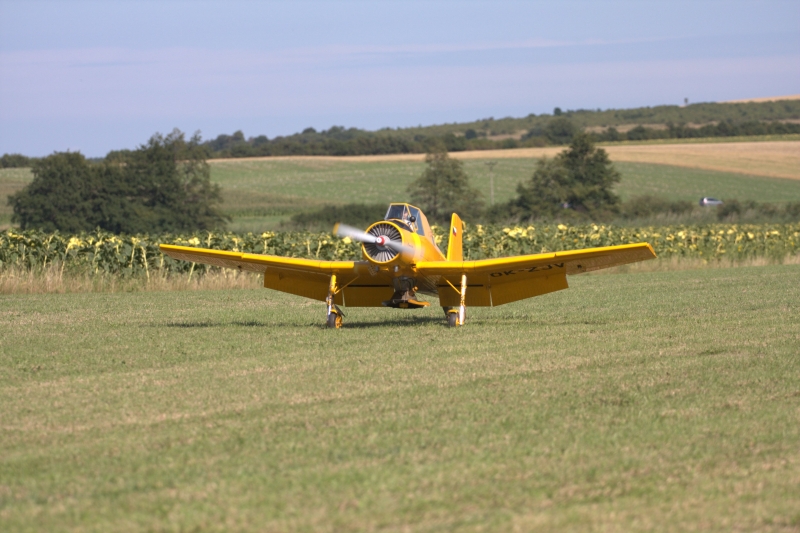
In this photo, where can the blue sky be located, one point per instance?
(94, 76)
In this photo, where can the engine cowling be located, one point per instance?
(375, 251)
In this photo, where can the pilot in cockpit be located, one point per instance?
(410, 219)
(401, 213)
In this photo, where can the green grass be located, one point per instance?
(11, 180)
(677, 183)
(652, 401)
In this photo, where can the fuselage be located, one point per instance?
(406, 224)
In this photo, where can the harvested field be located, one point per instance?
(763, 99)
(776, 159)
(773, 159)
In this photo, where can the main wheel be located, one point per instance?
(334, 320)
(452, 319)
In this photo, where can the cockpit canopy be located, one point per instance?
(410, 218)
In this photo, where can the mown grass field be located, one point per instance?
(662, 401)
(260, 193)
(285, 183)
(11, 180)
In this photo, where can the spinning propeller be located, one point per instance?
(382, 241)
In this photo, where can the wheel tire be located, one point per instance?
(452, 319)
(334, 320)
(446, 309)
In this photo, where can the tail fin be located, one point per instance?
(455, 250)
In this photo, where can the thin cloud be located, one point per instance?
(114, 57)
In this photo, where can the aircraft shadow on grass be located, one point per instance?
(211, 324)
(256, 323)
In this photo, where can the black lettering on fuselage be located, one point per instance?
(537, 268)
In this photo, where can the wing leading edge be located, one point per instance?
(255, 262)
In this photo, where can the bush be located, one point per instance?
(560, 130)
(647, 206)
(748, 210)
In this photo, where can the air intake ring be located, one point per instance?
(382, 254)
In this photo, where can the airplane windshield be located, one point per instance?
(396, 211)
(407, 216)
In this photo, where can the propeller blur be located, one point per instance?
(383, 241)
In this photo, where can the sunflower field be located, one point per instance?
(138, 255)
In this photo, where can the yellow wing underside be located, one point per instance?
(490, 282)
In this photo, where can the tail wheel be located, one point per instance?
(334, 320)
(452, 319)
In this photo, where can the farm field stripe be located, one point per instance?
(777, 159)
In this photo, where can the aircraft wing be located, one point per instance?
(360, 285)
(492, 282)
(574, 261)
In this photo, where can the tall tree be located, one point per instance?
(61, 195)
(164, 185)
(170, 177)
(443, 188)
(577, 183)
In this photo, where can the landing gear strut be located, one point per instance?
(335, 314)
(457, 315)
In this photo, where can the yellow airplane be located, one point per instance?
(401, 258)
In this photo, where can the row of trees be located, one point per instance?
(561, 130)
(339, 141)
(558, 131)
(681, 131)
(15, 161)
(164, 185)
(719, 119)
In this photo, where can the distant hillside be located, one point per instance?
(724, 119)
(660, 122)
